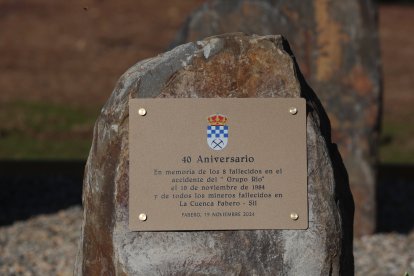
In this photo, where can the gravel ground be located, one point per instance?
(47, 245)
(43, 245)
(384, 254)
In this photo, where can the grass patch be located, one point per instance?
(38, 130)
(397, 144)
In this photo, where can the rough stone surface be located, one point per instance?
(336, 46)
(232, 65)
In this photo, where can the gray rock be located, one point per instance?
(232, 65)
(337, 49)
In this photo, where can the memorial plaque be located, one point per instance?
(217, 164)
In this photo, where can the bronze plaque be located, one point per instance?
(217, 164)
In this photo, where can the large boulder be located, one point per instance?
(232, 65)
(336, 46)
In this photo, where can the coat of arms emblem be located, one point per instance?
(217, 132)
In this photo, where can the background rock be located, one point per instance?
(232, 65)
(336, 46)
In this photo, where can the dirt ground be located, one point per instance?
(74, 51)
(71, 53)
(397, 44)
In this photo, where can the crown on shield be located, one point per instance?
(217, 120)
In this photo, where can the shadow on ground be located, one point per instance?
(30, 188)
(395, 194)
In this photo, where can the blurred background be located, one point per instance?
(60, 60)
